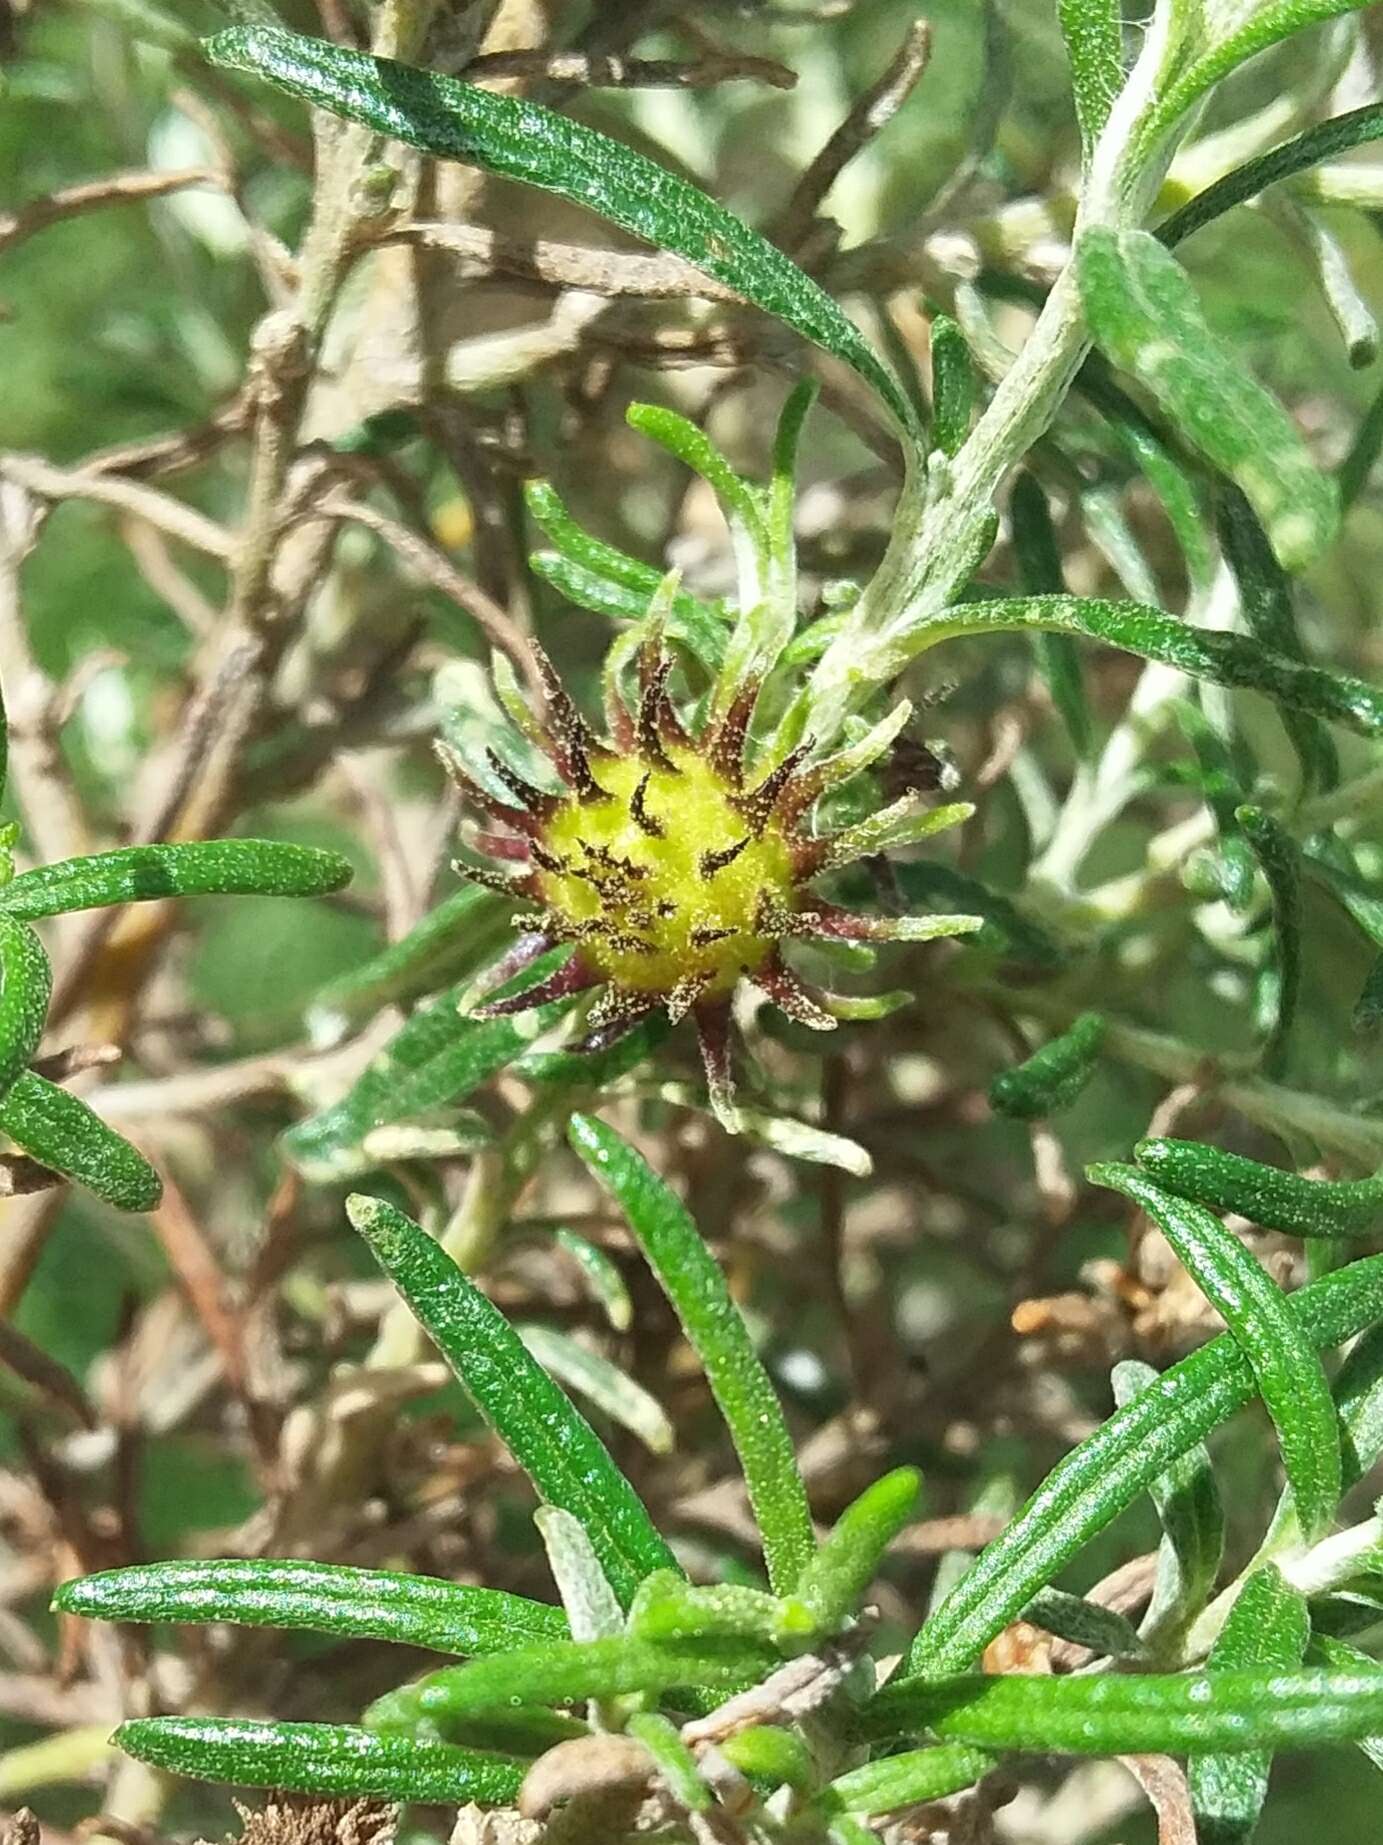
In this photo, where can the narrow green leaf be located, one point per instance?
(200, 868)
(1224, 659)
(905, 1780)
(553, 1443)
(1355, 469)
(953, 385)
(1290, 1376)
(319, 1598)
(1146, 317)
(1368, 1008)
(1193, 1528)
(1266, 1195)
(694, 449)
(61, 1132)
(604, 1386)
(1267, 25)
(1092, 1484)
(567, 1672)
(1129, 1714)
(1343, 1657)
(1006, 930)
(1038, 556)
(522, 140)
(593, 1610)
(1268, 1626)
(848, 1559)
(26, 983)
(1094, 34)
(1265, 595)
(436, 1060)
(1322, 142)
(321, 1758)
(1084, 1623)
(581, 547)
(1235, 867)
(1332, 864)
(696, 1286)
(799, 1140)
(1053, 1077)
(675, 1762)
(601, 1274)
(450, 942)
(667, 1608)
(1277, 855)
(771, 1756)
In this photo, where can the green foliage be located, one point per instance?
(1269, 1625)
(1286, 1367)
(1152, 887)
(695, 1285)
(1147, 319)
(566, 1460)
(1052, 1078)
(1093, 30)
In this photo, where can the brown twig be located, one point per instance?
(483, 252)
(428, 561)
(605, 72)
(114, 189)
(870, 113)
(160, 509)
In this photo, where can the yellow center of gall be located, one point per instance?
(671, 899)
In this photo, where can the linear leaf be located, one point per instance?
(1266, 1195)
(566, 1672)
(1094, 35)
(449, 943)
(553, 1443)
(1268, 1626)
(1038, 556)
(1094, 1482)
(696, 1286)
(1146, 317)
(1084, 1623)
(905, 1780)
(1224, 659)
(953, 385)
(667, 1608)
(601, 1274)
(1006, 929)
(1291, 1378)
(593, 1610)
(1269, 25)
(436, 1059)
(604, 1385)
(1280, 862)
(58, 1130)
(1307, 149)
(1193, 1528)
(1053, 1077)
(319, 1598)
(522, 140)
(849, 1557)
(1265, 595)
(1128, 1714)
(321, 1758)
(26, 983)
(200, 868)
